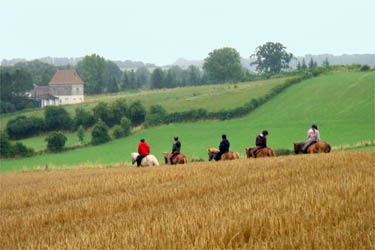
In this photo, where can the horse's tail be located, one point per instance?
(328, 149)
(272, 152)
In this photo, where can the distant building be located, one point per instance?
(66, 87)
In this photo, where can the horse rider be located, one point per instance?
(143, 151)
(223, 147)
(260, 142)
(313, 136)
(176, 148)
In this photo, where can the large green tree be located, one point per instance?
(143, 76)
(13, 88)
(94, 72)
(223, 65)
(271, 57)
(114, 70)
(157, 79)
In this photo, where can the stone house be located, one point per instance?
(66, 87)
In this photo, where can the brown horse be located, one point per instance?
(318, 147)
(178, 159)
(263, 152)
(225, 157)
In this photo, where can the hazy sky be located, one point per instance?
(161, 31)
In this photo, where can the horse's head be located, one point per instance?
(211, 153)
(134, 157)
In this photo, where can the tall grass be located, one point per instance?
(321, 201)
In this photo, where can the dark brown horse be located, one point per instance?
(263, 152)
(225, 157)
(177, 159)
(318, 147)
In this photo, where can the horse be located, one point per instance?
(262, 152)
(224, 157)
(177, 159)
(318, 147)
(147, 161)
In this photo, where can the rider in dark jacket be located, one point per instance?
(223, 147)
(176, 148)
(260, 142)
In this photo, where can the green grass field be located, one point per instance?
(178, 99)
(341, 104)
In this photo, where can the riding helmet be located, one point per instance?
(314, 126)
(176, 138)
(224, 136)
(265, 132)
(143, 140)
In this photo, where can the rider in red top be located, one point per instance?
(143, 151)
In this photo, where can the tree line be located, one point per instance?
(104, 76)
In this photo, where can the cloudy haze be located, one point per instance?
(162, 31)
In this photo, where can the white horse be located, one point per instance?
(147, 161)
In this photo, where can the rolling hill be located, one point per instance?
(341, 104)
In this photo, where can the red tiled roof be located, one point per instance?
(66, 76)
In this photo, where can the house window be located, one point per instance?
(77, 91)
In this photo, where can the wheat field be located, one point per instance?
(322, 201)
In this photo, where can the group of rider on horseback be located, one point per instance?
(313, 136)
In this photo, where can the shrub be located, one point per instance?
(84, 118)
(81, 134)
(23, 127)
(100, 133)
(57, 118)
(126, 125)
(283, 151)
(118, 131)
(56, 141)
(103, 112)
(365, 68)
(155, 116)
(120, 109)
(137, 113)
(21, 150)
(5, 147)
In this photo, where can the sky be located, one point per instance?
(162, 31)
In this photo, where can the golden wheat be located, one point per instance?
(321, 201)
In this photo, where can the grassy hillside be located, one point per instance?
(341, 104)
(303, 202)
(211, 97)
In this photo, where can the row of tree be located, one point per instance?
(57, 118)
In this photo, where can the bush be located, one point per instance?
(56, 141)
(103, 112)
(23, 127)
(100, 133)
(118, 132)
(126, 125)
(84, 118)
(365, 68)
(119, 109)
(81, 134)
(5, 147)
(155, 116)
(21, 150)
(283, 151)
(137, 113)
(57, 118)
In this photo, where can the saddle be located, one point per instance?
(307, 148)
(174, 157)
